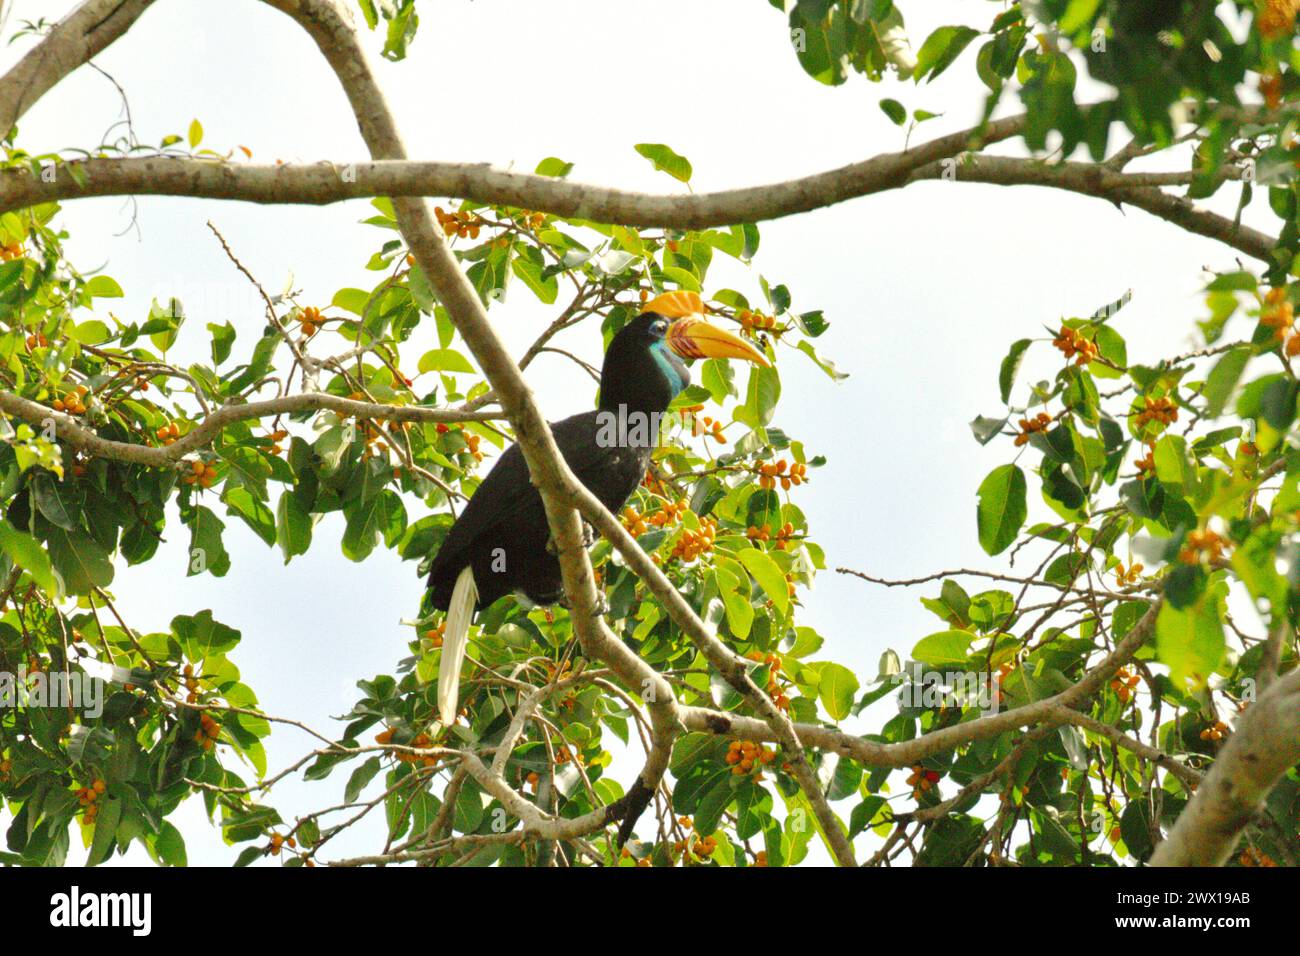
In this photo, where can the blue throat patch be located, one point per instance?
(659, 352)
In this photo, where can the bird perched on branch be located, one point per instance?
(500, 544)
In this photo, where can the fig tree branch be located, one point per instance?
(324, 183)
(1264, 745)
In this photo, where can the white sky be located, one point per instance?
(924, 288)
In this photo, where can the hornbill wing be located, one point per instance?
(505, 492)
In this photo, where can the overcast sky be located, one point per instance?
(924, 288)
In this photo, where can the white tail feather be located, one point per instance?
(455, 639)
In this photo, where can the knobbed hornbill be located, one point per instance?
(500, 544)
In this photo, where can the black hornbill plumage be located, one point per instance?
(499, 544)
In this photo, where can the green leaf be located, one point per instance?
(444, 360)
(1002, 509)
(1223, 379)
(836, 688)
(665, 160)
(106, 821)
(292, 525)
(170, 845)
(104, 287)
(944, 647)
(351, 300)
(531, 270)
(1190, 641)
(382, 515)
(207, 550)
(769, 576)
(26, 552)
(202, 637)
(940, 49)
(195, 134)
(895, 110)
(80, 560)
(223, 339)
(552, 166)
(1011, 365)
(254, 511)
(360, 778)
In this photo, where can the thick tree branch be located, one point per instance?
(1050, 711)
(77, 434)
(1264, 745)
(73, 41)
(324, 183)
(389, 176)
(1096, 179)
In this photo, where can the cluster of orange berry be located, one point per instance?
(74, 403)
(921, 780)
(276, 437)
(710, 427)
(774, 688)
(697, 844)
(472, 441)
(191, 684)
(751, 321)
(760, 858)
(1030, 425)
(434, 635)
(201, 474)
(209, 730)
(168, 433)
(1216, 731)
(785, 472)
(781, 539)
(1202, 545)
(1276, 18)
(1277, 313)
(640, 861)
(87, 796)
(420, 741)
(745, 755)
(12, 250)
(1146, 465)
(1162, 410)
(279, 841)
(1124, 684)
(563, 755)
(634, 522)
(692, 544)
(311, 320)
(1004, 671)
(701, 847)
(1253, 857)
(37, 340)
(1075, 346)
(6, 766)
(1270, 88)
(531, 220)
(460, 224)
(1127, 576)
(669, 513)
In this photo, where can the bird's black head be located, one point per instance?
(641, 371)
(644, 370)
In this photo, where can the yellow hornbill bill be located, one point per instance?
(500, 544)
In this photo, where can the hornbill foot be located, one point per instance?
(601, 608)
(589, 537)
